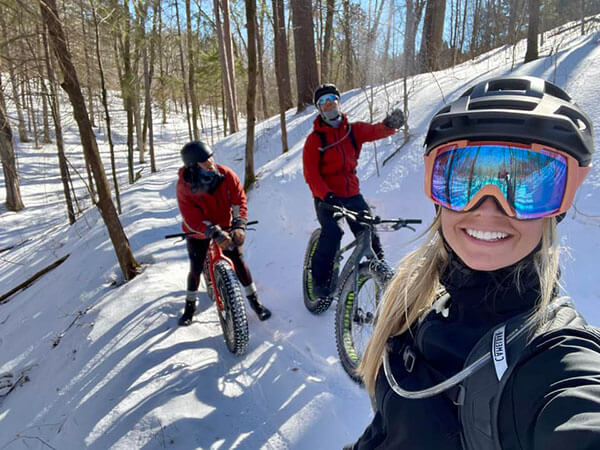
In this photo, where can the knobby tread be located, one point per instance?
(233, 300)
(315, 306)
(343, 317)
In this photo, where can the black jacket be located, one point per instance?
(551, 401)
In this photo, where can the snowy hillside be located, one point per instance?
(103, 364)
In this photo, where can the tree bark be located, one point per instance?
(21, 128)
(348, 60)
(148, 75)
(414, 10)
(191, 70)
(14, 201)
(282, 68)
(71, 86)
(261, 70)
(249, 175)
(307, 76)
(86, 57)
(183, 77)
(60, 145)
(431, 42)
(327, 40)
(221, 8)
(532, 32)
(106, 110)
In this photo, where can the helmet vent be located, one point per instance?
(577, 119)
(519, 104)
(509, 85)
(555, 91)
(444, 110)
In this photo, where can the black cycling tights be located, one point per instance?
(197, 249)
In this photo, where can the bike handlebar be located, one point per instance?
(191, 233)
(363, 218)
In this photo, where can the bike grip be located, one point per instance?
(407, 221)
(171, 236)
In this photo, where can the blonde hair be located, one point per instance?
(416, 285)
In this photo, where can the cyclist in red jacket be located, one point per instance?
(330, 158)
(211, 199)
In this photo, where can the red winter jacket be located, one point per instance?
(334, 170)
(202, 209)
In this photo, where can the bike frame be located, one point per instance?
(214, 255)
(362, 249)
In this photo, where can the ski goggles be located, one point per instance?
(327, 97)
(528, 181)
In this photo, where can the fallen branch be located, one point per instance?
(4, 297)
(77, 317)
(13, 246)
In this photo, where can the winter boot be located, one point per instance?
(261, 311)
(190, 309)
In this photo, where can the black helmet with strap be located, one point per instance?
(323, 89)
(521, 109)
(194, 152)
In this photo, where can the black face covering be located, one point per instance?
(202, 180)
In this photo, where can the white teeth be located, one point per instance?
(486, 235)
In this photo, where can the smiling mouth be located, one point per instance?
(487, 236)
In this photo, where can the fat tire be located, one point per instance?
(313, 304)
(349, 355)
(233, 316)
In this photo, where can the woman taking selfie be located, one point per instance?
(474, 347)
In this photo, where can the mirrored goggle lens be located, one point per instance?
(532, 182)
(327, 97)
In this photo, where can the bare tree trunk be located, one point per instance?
(185, 85)
(224, 40)
(431, 43)
(148, 75)
(86, 56)
(249, 175)
(60, 145)
(22, 130)
(349, 63)
(106, 111)
(161, 79)
(14, 201)
(191, 69)
(228, 41)
(327, 40)
(127, 262)
(473, 47)
(261, 71)
(30, 110)
(307, 76)
(282, 68)
(532, 32)
(414, 10)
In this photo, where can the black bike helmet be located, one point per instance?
(323, 89)
(195, 152)
(521, 109)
